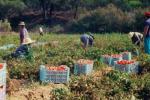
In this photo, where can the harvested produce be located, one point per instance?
(116, 55)
(83, 61)
(59, 68)
(124, 62)
(1, 65)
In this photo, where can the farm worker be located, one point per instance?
(23, 32)
(24, 48)
(147, 33)
(41, 31)
(87, 40)
(136, 37)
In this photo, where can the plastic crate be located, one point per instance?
(3, 74)
(106, 59)
(110, 59)
(128, 68)
(83, 68)
(3, 92)
(54, 76)
(126, 55)
(113, 59)
(134, 68)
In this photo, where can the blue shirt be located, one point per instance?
(86, 39)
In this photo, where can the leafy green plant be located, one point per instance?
(59, 93)
(113, 85)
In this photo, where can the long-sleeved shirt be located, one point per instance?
(23, 35)
(86, 40)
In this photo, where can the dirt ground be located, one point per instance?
(16, 89)
(36, 92)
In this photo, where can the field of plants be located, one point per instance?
(61, 49)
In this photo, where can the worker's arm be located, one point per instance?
(146, 30)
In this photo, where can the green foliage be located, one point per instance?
(5, 26)
(9, 7)
(89, 15)
(59, 93)
(112, 85)
(107, 19)
(135, 3)
(93, 53)
(57, 28)
(145, 62)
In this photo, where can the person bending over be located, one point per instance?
(87, 40)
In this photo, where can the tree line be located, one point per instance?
(11, 8)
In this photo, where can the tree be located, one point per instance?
(49, 6)
(9, 7)
(145, 3)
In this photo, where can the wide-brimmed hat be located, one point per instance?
(22, 23)
(28, 41)
(130, 34)
(147, 14)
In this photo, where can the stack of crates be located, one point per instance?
(128, 68)
(2, 81)
(54, 74)
(83, 67)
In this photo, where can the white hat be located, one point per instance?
(131, 34)
(22, 23)
(28, 41)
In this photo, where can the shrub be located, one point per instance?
(57, 28)
(5, 26)
(106, 19)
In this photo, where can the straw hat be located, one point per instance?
(28, 41)
(22, 23)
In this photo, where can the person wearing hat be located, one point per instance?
(147, 33)
(41, 31)
(24, 48)
(25, 43)
(23, 32)
(87, 40)
(136, 38)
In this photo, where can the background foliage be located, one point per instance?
(72, 15)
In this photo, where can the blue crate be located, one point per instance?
(83, 69)
(54, 76)
(3, 75)
(126, 56)
(128, 68)
(105, 60)
(113, 60)
(134, 68)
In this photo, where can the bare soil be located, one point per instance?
(37, 92)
